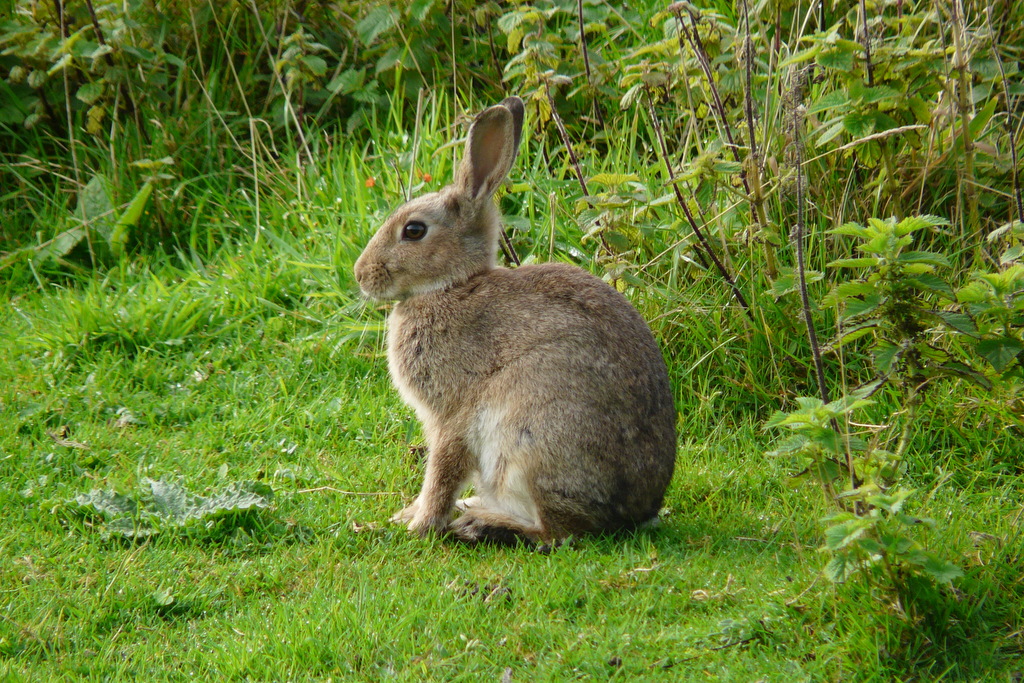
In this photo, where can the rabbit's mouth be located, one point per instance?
(375, 282)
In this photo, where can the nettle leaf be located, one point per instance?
(852, 229)
(1012, 254)
(617, 241)
(879, 93)
(915, 223)
(982, 118)
(928, 257)
(884, 355)
(613, 179)
(129, 219)
(855, 333)
(941, 570)
(859, 124)
(960, 322)
(834, 99)
(862, 262)
(377, 21)
(841, 567)
(999, 352)
(858, 307)
(97, 208)
(839, 58)
(841, 535)
(932, 283)
(90, 92)
(974, 293)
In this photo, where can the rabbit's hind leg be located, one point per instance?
(489, 525)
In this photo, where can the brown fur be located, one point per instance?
(542, 386)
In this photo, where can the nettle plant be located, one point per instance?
(903, 309)
(873, 534)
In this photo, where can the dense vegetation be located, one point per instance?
(817, 207)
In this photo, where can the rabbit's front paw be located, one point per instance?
(425, 525)
(407, 514)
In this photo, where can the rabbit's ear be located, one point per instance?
(491, 148)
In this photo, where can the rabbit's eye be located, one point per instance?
(414, 231)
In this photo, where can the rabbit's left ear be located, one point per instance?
(491, 148)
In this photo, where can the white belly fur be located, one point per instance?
(501, 479)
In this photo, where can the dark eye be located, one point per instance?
(414, 231)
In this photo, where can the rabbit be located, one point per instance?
(541, 385)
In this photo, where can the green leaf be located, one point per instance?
(981, 119)
(863, 262)
(129, 219)
(613, 179)
(617, 241)
(885, 355)
(96, 207)
(960, 322)
(90, 92)
(928, 257)
(842, 535)
(834, 99)
(879, 93)
(837, 58)
(378, 20)
(1000, 352)
(859, 307)
(932, 283)
(859, 124)
(841, 567)
(852, 229)
(939, 569)
(418, 9)
(316, 65)
(1012, 254)
(915, 223)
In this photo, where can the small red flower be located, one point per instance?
(370, 182)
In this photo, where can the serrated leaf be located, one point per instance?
(316, 65)
(96, 206)
(856, 308)
(999, 352)
(852, 229)
(932, 283)
(840, 568)
(377, 21)
(90, 92)
(418, 9)
(617, 241)
(842, 535)
(613, 179)
(347, 81)
(106, 503)
(858, 124)
(862, 262)
(960, 322)
(924, 257)
(836, 98)
(884, 356)
(940, 570)
(836, 58)
(1012, 254)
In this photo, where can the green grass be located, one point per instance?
(260, 364)
(229, 346)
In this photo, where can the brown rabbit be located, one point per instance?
(540, 386)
